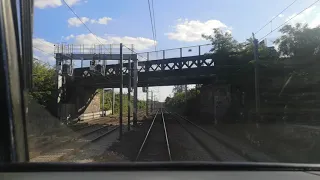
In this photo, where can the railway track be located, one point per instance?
(156, 143)
(60, 151)
(217, 150)
(220, 147)
(225, 149)
(155, 146)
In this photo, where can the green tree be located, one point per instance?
(177, 89)
(108, 102)
(43, 82)
(299, 41)
(222, 42)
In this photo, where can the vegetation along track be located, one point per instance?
(153, 147)
(64, 149)
(219, 151)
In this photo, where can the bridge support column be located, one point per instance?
(60, 86)
(135, 87)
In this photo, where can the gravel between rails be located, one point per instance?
(183, 146)
(218, 150)
(155, 148)
(55, 154)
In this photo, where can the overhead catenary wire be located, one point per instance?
(151, 13)
(276, 16)
(154, 26)
(77, 16)
(154, 21)
(290, 19)
(42, 51)
(81, 21)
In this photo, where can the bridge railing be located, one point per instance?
(90, 49)
(175, 53)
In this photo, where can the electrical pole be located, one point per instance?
(103, 112)
(151, 101)
(135, 92)
(113, 101)
(121, 91)
(185, 91)
(256, 75)
(147, 91)
(129, 92)
(147, 101)
(103, 99)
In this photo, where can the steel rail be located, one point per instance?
(228, 145)
(74, 151)
(197, 139)
(50, 147)
(166, 136)
(146, 137)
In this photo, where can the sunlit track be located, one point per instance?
(89, 142)
(153, 147)
(82, 133)
(101, 119)
(62, 150)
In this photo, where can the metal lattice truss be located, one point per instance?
(164, 65)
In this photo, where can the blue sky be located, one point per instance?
(178, 22)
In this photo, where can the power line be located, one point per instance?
(42, 51)
(276, 16)
(154, 21)
(81, 21)
(151, 19)
(290, 19)
(152, 24)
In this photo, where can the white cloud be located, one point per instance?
(103, 20)
(41, 4)
(310, 16)
(74, 21)
(69, 37)
(72, 2)
(139, 43)
(280, 15)
(45, 46)
(192, 30)
(47, 3)
(315, 22)
(43, 50)
(89, 39)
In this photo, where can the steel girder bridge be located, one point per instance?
(116, 66)
(179, 69)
